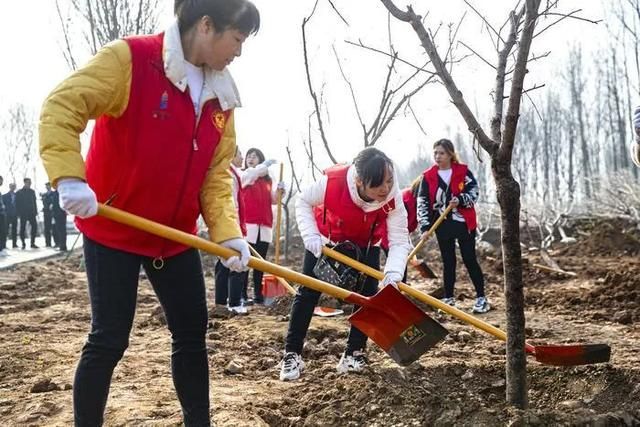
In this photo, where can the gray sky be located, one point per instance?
(271, 78)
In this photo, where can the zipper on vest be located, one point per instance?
(195, 145)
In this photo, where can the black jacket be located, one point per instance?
(26, 203)
(9, 204)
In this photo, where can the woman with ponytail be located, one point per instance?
(164, 110)
(450, 182)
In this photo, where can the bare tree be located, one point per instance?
(99, 22)
(393, 97)
(499, 144)
(18, 132)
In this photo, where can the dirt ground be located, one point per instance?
(44, 319)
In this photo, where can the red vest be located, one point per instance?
(410, 203)
(151, 161)
(458, 174)
(241, 220)
(340, 219)
(257, 202)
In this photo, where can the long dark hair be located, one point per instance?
(371, 165)
(261, 159)
(241, 15)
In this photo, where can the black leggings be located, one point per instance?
(113, 287)
(262, 248)
(306, 299)
(447, 234)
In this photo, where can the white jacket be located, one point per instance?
(397, 226)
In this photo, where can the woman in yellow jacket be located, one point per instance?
(163, 106)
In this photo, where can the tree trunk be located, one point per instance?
(508, 193)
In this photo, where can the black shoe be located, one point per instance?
(63, 249)
(247, 302)
(34, 246)
(24, 246)
(15, 246)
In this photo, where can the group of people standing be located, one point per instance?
(164, 109)
(19, 209)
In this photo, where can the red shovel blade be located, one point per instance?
(271, 287)
(397, 325)
(570, 355)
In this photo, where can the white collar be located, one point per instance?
(355, 197)
(218, 84)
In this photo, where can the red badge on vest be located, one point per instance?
(218, 119)
(461, 186)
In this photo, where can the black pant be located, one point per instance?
(3, 231)
(33, 228)
(48, 229)
(12, 229)
(60, 230)
(447, 234)
(113, 286)
(306, 299)
(262, 248)
(228, 285)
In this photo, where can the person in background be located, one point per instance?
(229, 284)
(450, 182)
(47, 201)
(346, 204)
(635, 145)
(258, 194)
(3, 224)
(164, 108)
(27, 211)
(9, 200)
(59, 222)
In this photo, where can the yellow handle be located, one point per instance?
(279, 218)
(430, 232)
(190, 240)
(420, 296)
(283, 282)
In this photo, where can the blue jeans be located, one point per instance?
(113, 285)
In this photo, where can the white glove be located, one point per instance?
(281, 186)
(314, 245)
(237, 263)
(77, 198)
(269, 162)
(391, 278)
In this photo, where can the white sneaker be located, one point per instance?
(239, 309)
(355, 362)
(4, 253)
(481, 305)
(291, 366)
(449, 301)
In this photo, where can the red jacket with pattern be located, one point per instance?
(458, 174)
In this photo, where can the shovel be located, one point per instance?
(392, 321)
(272, 287)
(420, 265)
(559, 355)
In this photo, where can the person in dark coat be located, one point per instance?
(59, 222)
(27, 211)
(47, 211)
(3, 223)
(9, 201)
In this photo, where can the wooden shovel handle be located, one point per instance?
(420, 296)
(190, 240)
(279, 218)
(430, 232)
(283, 282)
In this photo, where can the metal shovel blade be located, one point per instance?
(571, 355)
(398, 326)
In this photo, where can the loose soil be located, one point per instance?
(44, 319)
